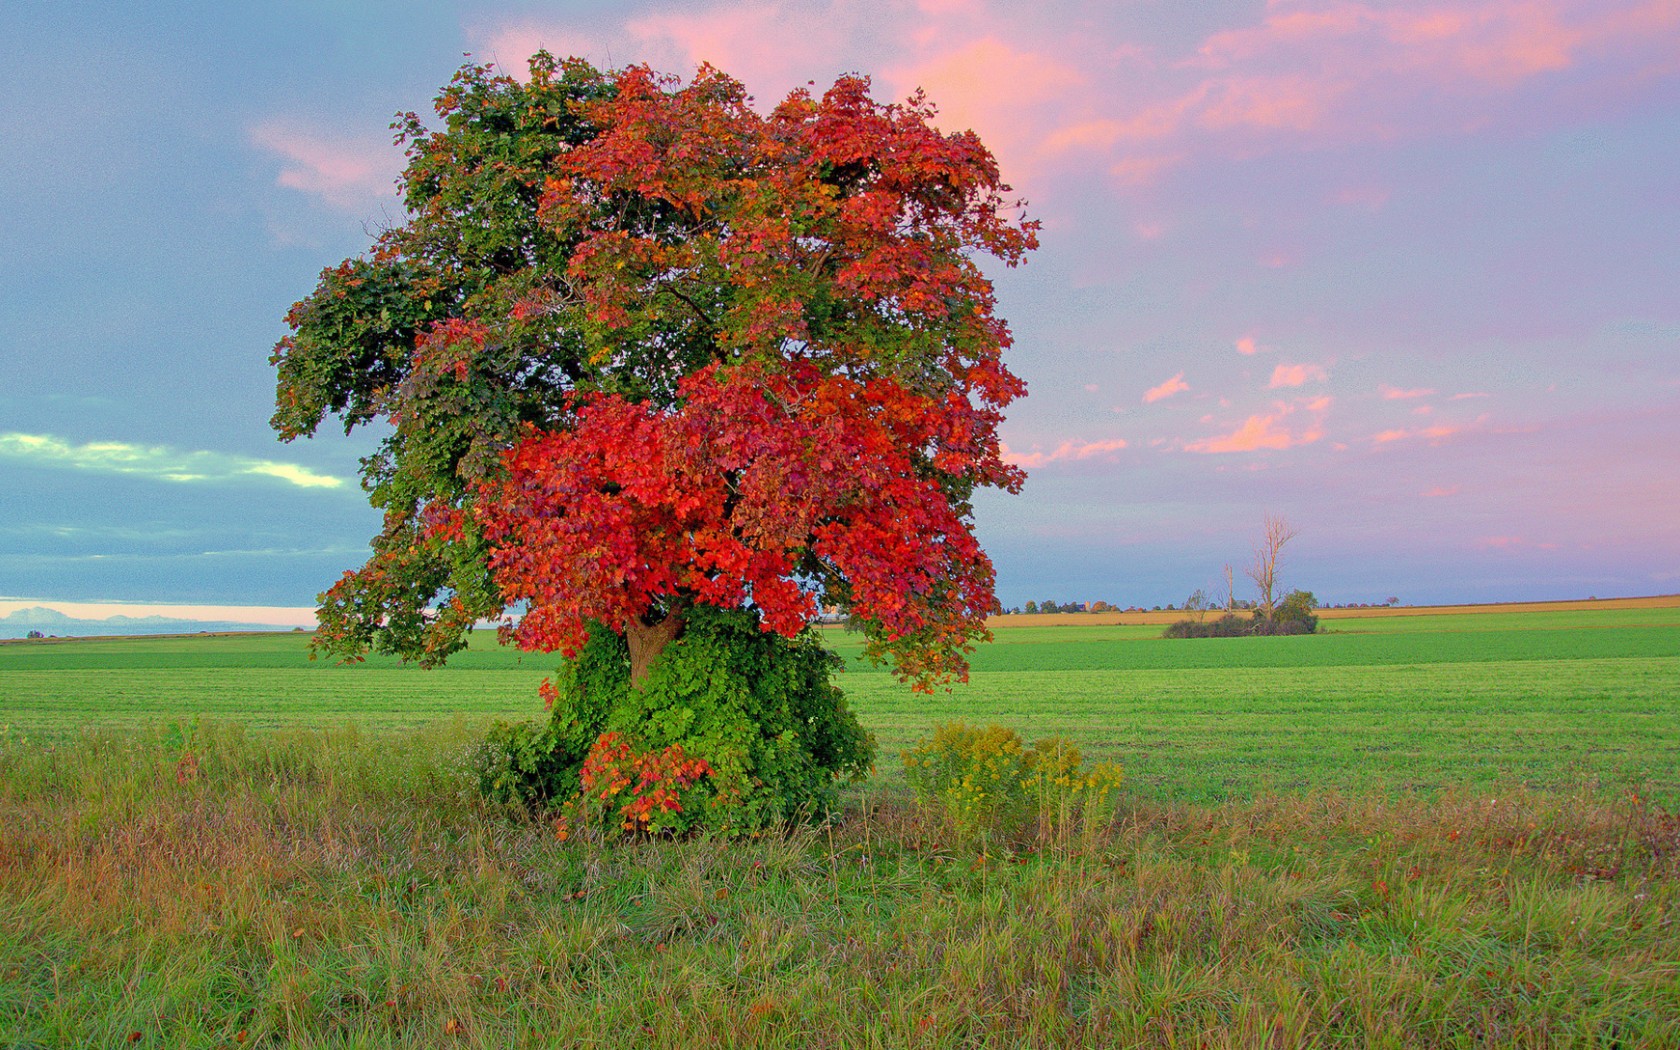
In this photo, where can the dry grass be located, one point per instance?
(335, 890)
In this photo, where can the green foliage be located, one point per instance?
(759, 709)
(1296, 611)
(986, 781)
(392, 335)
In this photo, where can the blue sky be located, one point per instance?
(1405, 274)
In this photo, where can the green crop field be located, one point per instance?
(1394, 704)
(1434, 831)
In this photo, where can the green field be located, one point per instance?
(1393, 704)
(1432, 831)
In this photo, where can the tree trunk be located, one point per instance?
(648, 641)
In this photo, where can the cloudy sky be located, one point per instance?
(1407, 274)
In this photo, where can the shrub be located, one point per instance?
(758, 709)
(1294, 615)
(985, 781)
(1228, 626)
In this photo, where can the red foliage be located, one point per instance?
(831, 451)
(756, 488)
(653, 781)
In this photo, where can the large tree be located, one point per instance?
(641, 348)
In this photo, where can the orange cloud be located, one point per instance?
(1297, 375)
(1074, 450)
(1441, 492)
(1172, 386)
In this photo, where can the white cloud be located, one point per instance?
(159, 462)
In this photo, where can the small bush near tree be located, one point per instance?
(986, 781)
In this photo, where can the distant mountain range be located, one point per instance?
(19, 623)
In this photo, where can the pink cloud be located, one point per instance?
(1153, 122)
(768, 46)
(1067, 450)
(1292, 103)
(1441, 492)
(1498, 40)
(1344, 70)
(1258, 432)
(1247, 346)
(346, 173)
(994, 88)
(1297, 375)
(1434, 435)
(1270, 431)
(510, 47)
(1513, 543)
(1143, 171)
(1370, 198)
(1172, 386)
(1393, 393)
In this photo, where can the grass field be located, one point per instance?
(1448, 830)
(1544, 697)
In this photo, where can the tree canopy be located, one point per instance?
(641, 348)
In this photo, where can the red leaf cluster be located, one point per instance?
(760, 487)
(651, 782)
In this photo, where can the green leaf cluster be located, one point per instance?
(762, 710)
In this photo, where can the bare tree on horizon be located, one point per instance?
(1264, 571)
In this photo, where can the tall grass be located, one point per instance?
(198, 886)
